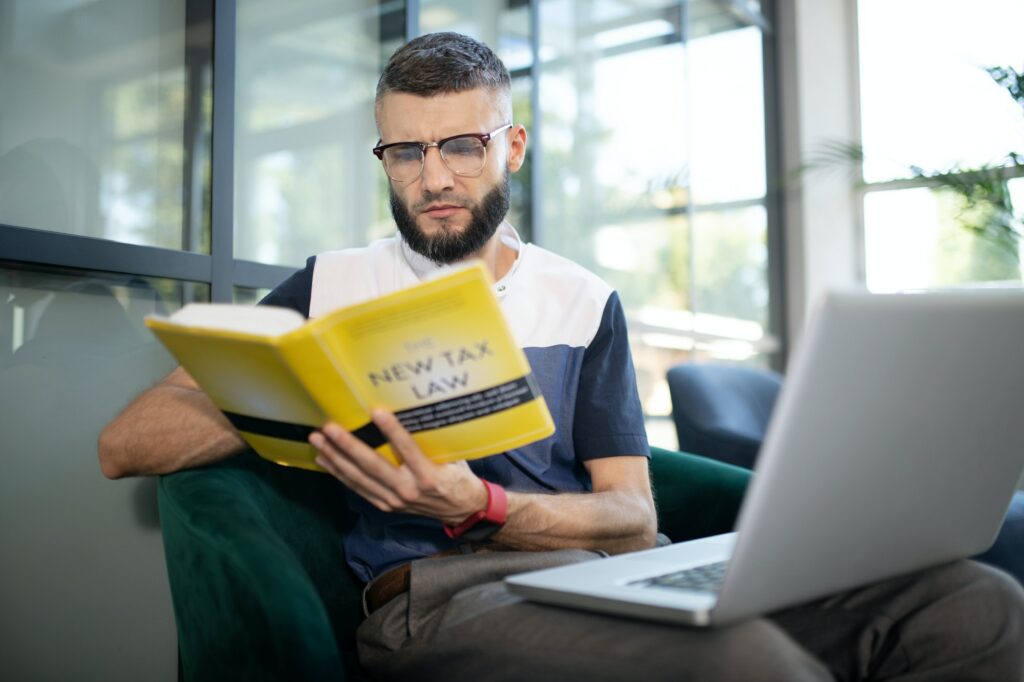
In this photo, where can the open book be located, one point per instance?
(439, 355)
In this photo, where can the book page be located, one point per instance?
(263, 320)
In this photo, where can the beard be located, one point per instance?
(449, 244)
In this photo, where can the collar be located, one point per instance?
(423, 267)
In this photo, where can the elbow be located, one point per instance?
(109, 451)
(648, 536)
(645, 529)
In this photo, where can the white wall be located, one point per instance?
(818, 94)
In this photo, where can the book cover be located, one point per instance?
(440, 355)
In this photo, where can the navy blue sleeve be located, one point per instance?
(609, 420)
(295, 291)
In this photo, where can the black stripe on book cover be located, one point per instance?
(368, 433)
(421, 418)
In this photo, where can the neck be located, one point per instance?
(496, 256)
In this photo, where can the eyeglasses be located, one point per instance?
(464, 155)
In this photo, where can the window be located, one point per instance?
(104, 122)
(305, 180)
(648, 163)
(927, 101)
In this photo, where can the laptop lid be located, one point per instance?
(896, 444)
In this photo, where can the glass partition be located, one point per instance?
(505, 27)
(105, 120)
(79, 550)
(305, 178)
(650, 142)
(653, 167)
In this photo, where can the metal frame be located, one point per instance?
(90, 253)
(222, 153)
(853, 22)
(412, 19)
(778, 315)
(75, 252)
(536, 172)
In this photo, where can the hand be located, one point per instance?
(448, 492)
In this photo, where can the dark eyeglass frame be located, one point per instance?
(484, 138)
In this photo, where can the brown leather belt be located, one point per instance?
(390, 584)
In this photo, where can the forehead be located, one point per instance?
(402, 116)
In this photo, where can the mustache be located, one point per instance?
(428, 198)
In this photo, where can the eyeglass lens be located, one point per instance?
(463, 156)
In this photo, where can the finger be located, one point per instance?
(404, 446)
(349, 474)
(363, 456)
(402, 486)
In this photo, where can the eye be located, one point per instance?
(463, 146)
(404, 153)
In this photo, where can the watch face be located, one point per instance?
(481, 531)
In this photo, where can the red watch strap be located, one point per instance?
(494, 513)
(497, 503)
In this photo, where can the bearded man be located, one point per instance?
(433, 541)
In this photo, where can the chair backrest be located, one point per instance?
(722, 411)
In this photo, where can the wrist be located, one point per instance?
(478, 500)
(486, 520)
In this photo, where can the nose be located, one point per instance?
(436, 177)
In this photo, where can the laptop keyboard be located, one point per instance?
(704, 578)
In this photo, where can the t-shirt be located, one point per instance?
(571, 327)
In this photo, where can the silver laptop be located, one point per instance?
(896, 444)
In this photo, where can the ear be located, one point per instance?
(516, 148)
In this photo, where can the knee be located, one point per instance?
(757, 650)
(1001, 589)
(992, 591)
(988, 606)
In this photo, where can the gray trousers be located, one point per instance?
(960, 622)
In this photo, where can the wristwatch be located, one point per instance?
(486, 522)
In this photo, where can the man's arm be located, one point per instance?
(172, 426)
(618, 516)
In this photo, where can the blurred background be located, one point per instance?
(719, 162)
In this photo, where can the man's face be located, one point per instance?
(441, 215)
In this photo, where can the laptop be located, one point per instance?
(896, 444)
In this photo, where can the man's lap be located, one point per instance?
(458, 619)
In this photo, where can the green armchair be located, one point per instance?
(258, 577)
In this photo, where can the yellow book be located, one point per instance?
(440, 355)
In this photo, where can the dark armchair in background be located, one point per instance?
(258, 577)
(722, 412)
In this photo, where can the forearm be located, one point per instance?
(618, 516)
(168, 428)
(615, 521)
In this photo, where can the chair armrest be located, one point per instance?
(245, 604)
(695, 496)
